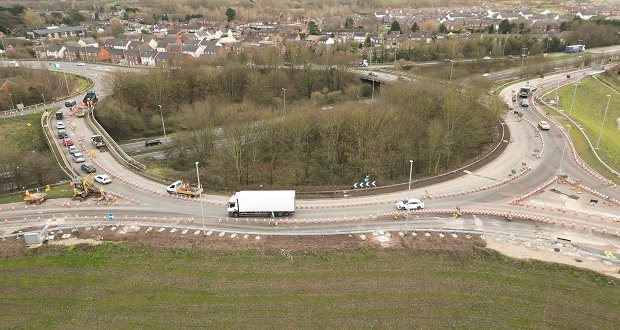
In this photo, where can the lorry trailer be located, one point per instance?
(272, 203)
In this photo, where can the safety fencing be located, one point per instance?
(573, 151)
(609, 199)
(397, 215)
(535, 191)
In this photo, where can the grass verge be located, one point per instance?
(119, 285)
(60, 191)
(588, 110)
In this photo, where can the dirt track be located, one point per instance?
(461, 246)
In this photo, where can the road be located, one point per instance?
(472, 191)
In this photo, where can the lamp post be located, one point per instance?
(202, 212)
(574, 95)
(557, 101)
(523, 57)
(11, 97)
(451, 68)
(564, 148)
(161, 113)
(284, 99)
(43, 96)
(603, 124)
(408, 195)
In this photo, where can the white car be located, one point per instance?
(410, 204)
(73, 149)
(78, 157)
(80, 64)
(486, 58)
(60, 125)
(486, 74)
(543, 125)
(103, 178)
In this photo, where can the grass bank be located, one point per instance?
(119, 285)
(588, 111)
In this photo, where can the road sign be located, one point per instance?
(93, 151)
(111, 217)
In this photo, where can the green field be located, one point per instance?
(23, 133)
(126, 286)
(61, 191)
(590, 103)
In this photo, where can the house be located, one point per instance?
(194, 51)
(133, 57)
(151, 41)
(94, 54)
(163, 59)
(57, 32)
(55, 51)
(148, 58)
(134, 44)
(72, 53)
(85, 42)
(359, 36)
(116, 55)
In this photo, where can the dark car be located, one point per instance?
(59, 115)
(70, 103)
(155, 142)
(88, 168)
(62, 134)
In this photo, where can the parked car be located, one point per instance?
(78, 157)
(70, 103)
(372, 74)
(73, 149)
(88, 168)
(67, 142)
(103, 178)
(62, 134)
(410, 204)
(60, 125)
(486, 74)
(80, 64)
(155, 142)
(543, 125)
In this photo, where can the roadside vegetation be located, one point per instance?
(31, 86)
(25, 158)
(112, 285)
(589, 108)
(233, 121)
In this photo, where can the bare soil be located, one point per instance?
(461, 246)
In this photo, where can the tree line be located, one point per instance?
(246, 142)
(31, 86)
(134, 110)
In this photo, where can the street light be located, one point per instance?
(11, 97)
(451, 68)
(408, 195)
(523, 57)
(202, 212)
(603, 124)
(42, 95)
(564, 148)
(161, 112)
(284, 99)
(574, 94)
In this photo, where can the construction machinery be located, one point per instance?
(184, 188)
(90, 99)
(98, 141)
(83, 188)
(80, 112)
(37, 197)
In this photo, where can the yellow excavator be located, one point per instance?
(37, 197)
(83, 188)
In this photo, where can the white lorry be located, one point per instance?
(272, 203)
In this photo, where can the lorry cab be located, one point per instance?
(232, 205)
(172, 189)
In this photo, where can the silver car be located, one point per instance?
(78, 157)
